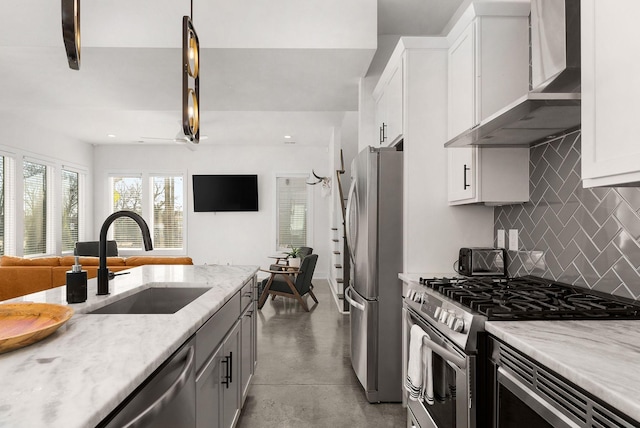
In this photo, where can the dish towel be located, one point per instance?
(419, 382)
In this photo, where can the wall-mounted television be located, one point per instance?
(223, 192)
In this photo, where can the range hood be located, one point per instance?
(552, 107)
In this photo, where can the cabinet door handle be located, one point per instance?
(230, 367)
(464, 171)
(227, 376)
(384, 132)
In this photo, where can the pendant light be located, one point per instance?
(71, 31)
(190, 80)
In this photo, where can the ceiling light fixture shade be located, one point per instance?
(71, 31)
(190, 81)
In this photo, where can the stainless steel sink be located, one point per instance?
(154, 300)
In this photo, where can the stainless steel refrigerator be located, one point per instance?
(374, 237)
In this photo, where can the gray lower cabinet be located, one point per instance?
(231, 362)
(248, 339)
(225, 361)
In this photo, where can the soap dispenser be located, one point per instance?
(76, 283)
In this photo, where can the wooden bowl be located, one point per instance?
(22, 324)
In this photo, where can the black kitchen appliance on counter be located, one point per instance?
(453, 311)
(482, 262)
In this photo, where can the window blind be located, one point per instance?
(35, 208)
(127, 195)
(2, 206)
(291, 195)
(70, 216)
(7, 211)
(168, 213)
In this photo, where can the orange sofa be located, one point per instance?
(20, 276)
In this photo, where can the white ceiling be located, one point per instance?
(267, 70)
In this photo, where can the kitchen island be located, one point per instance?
(82, 372)
(601, 357)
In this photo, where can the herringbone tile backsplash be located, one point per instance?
(586, 237)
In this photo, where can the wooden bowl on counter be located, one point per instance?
(24, 323)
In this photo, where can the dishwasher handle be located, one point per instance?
(174, 389)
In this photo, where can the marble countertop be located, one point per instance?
(602, 357)
(79, 374)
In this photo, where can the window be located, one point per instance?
(168, 211)
(127, 195)
(161, 206)
(35, 208)
(7, 206)
(70, 218)
(39, 206)
(292, 205)
(2, 206)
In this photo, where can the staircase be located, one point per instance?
(340, 263)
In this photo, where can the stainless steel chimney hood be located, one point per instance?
(552, 107)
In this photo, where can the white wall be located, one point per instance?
(58, 151)
(238, 238)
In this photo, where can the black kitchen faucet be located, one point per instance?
(103, 271)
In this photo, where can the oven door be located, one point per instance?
(453, 382)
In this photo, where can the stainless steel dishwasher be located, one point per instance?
(167, 399)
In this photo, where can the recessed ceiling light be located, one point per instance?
(287, 136)
(111, 135)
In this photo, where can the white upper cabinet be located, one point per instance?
(488, 64)
(462, 83)
(488, 60)
(462, 180)
(610, 88)
(389, 109)
(493, 176)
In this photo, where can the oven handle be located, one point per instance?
(531, 399)
(449, 356)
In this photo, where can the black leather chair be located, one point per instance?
(282, 262)
(291, 282)
(92, 248)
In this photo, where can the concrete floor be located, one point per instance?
(304, 376)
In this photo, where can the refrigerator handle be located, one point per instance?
(347, 222)
(352, 302)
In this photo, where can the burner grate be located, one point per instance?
(532, 298)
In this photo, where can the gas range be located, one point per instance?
(453, 311)
(459, 306)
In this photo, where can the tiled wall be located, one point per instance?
(586, 237)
